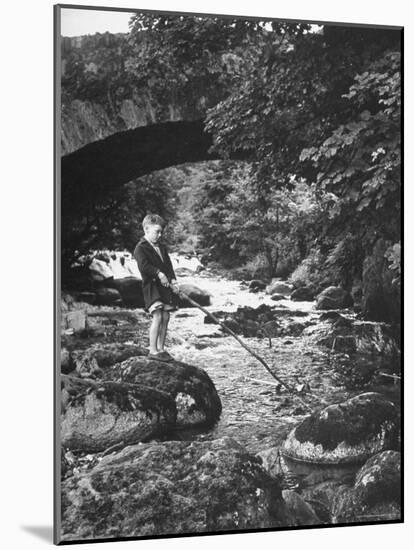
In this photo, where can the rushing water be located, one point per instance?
(255, 412)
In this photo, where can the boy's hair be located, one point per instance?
(153, 219)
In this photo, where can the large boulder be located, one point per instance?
(98, 415)
(130, 289)
(333, 297)
(376, 494)
(347, 432)
(175, 487)
(99, 356)
(74, 321)
(256, 284)
(380, 478)
(349, 336)
(191, 388)
(111, 353)
(279, 287)
(195, 293)
(302, 294)
(300, 511)
(108, 297)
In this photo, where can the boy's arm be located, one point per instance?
(170, 274)
(145, 266)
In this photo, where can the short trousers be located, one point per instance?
(160, 305)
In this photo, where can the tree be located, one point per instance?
(199, 58)
(113, 221)
(324, 107)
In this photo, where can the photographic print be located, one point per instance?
(227, 274)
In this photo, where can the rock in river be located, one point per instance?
(376, 493)
(347, 432)
(98, 415)
(175, 487)
(333, 297)
(302, 294)
(190, 387)
(195, 293)
(279, 287)
(107, 354)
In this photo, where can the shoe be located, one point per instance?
(166, 356)
(160, 356)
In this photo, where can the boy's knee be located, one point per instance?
(157, 315)
(165, 316)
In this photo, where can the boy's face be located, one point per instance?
(153, 233)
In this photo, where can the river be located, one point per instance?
(255, 412)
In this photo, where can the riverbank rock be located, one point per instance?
(67, 364)
(348, 336)
(200, 296)
(256, 284)
(300, 511)
(98, 415)
(106, 355)
(279, 287)
(302, 294)
(262, 322)
(176, 487)
(347, 432)
(376, 494)
(277, 297)
(108, 297)
(333, 297)
(73, 320)
(190, 387)
(130, 289)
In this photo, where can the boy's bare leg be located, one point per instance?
(155, 330)
(163, 330)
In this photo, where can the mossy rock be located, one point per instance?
(300, 511)
(175, 487)
(98, 415)
(347, 432)
(67, 364)
(334, 297)
(108, 354)
(302, 294)
(190, 387)
(279, 287)
(108, 297)
(376, 493)
(379, 480)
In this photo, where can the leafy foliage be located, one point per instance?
(94, 70)
(238, 221)
(324, 107)
(114, 221)
(316, 112)
(199, 57)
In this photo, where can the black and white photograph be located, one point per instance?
(228, 274)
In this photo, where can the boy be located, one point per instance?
(159, 284)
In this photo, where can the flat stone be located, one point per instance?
(75, 320)
(176, 487)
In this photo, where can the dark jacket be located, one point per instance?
(149, 265)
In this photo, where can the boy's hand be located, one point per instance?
(174, 287)
(163, 279)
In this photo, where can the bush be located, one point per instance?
(309, 272)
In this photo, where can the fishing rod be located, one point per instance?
(280, 381)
